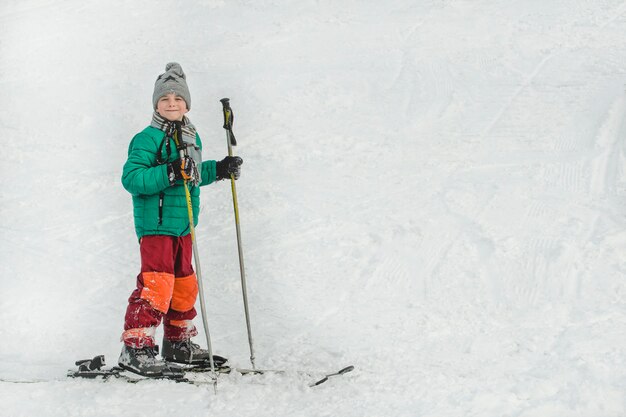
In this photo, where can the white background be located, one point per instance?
(432, 191)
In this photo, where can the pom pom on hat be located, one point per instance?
(173, 80)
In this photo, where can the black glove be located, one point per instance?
(227, 166)
(181, 169)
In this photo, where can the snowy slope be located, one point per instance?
(432, 191)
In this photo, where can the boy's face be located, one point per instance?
(172, 107)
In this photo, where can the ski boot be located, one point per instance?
(187, 352)
(143, 361)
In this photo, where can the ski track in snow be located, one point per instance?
(433, 192)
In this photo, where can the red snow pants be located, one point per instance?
(166, 289)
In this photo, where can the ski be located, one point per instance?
(312, 374)
(225, 369)
(96, 368)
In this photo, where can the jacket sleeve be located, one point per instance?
(141, 175)
(208, 172)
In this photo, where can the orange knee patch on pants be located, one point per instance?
(185, 293)
(157, 289)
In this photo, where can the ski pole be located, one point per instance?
(230, 140)
(182, 152)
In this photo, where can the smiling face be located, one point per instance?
(172, 107)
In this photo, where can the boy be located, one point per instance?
(154, 174)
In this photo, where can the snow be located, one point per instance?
(433, 192)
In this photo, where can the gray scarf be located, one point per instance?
(189, 134)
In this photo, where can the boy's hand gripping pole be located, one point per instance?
(230, 139)
(182, 150)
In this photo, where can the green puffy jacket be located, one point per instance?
(146, 179)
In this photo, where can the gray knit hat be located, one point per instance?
(173, 80)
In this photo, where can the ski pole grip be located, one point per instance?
(229, 118)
